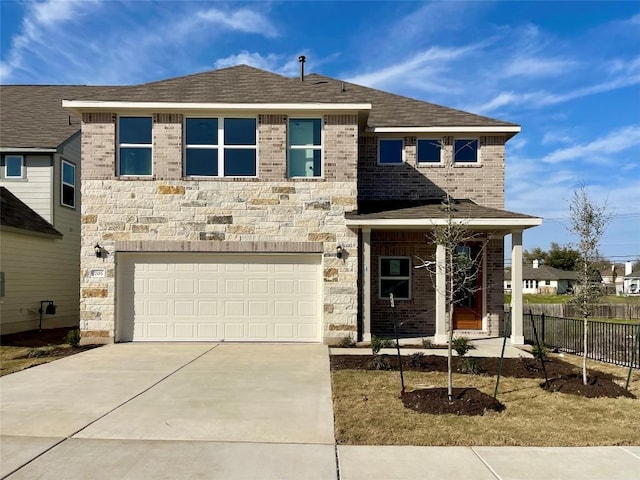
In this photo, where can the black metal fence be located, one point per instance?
(607, 342)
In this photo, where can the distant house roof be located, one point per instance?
(633, 274)
(15, 215)
(543, 272)
(243, 84)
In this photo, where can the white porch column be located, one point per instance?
(441, 296)
(517, 335)
(366, 284)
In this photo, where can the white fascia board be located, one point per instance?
(503, 223)
(27, 150)
(443, 129)
(91, 105)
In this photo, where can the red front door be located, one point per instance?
(467, 311)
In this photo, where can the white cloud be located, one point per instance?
(244, 20)
(615, 142)
(536, 67)
(271, 62)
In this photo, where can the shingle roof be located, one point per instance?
(543, 272)
(431, 208)
(15, 214)
(31, 116)
(244, 84)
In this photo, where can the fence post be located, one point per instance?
(543, 329)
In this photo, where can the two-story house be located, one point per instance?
(40, 214)
(239, 204)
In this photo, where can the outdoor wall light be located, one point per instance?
(50, 310)
(339, 251)
(98, 250)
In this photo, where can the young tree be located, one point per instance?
(588, 222)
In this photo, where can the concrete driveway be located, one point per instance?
(131, 411)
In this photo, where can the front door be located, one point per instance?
(467, 311)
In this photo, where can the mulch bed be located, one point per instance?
(40, 340)
(563, 378)
(465, 401)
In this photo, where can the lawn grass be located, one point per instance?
(608, 299)
(368, 412)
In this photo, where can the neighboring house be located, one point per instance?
(631, 280)
(543, 280)
(40, 224)
(613, 278)
(242, 205)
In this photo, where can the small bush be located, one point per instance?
(426, 343)
(378, 343)
(40, 352)
(462, 345)
(380, 362)
(415, 359)
(540, 353)
(470, 365)
(73, 338)
(346, 342)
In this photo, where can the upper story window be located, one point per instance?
(390, 151)
(395, 277)
(466, 150)
(14, 166)
(221, 147)
(68, 194)
(429, 151)
(135, 139)
(305, 147)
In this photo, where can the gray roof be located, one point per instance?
(31, 116)
(17, 215)
(543, 272)
(245, 84)
(430, 208)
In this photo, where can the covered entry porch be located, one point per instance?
(397, 239)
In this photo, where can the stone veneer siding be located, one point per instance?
(169, 209)
(482, 182)
(417, 315)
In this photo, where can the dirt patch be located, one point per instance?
(597, 386)
(35, 338)
(465, 401)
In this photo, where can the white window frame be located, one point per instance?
(402, 151)
(381, 278)
(434, 140)
(319, 148)
(467, 139)
(6, 170)
(135, 145)
(220, 147)
(63, 183)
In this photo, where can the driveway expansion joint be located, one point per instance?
(493, 472)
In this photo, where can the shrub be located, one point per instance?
(73, 338)
(462, 345)
(426, 343)
(378, 343)
(380, 362)
(415, 359)
(40, 352)
(470, 365)
(540, 352)
(346, 342)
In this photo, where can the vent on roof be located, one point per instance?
(302, 59)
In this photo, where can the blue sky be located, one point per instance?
(568, 72)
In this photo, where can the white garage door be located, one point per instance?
(202, 297)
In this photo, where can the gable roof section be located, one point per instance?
(32, 116)
(15, 215)
(543, 272)
(248, 85)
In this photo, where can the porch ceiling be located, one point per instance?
(426, 214)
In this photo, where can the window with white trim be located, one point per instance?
(466, 150)
(13, 166)
(390, 151)
(429, 151)
(221, 147)
(135, 139)
(395, 277)
(68, 184)
(305, 147)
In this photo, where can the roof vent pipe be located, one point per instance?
(302, 59)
